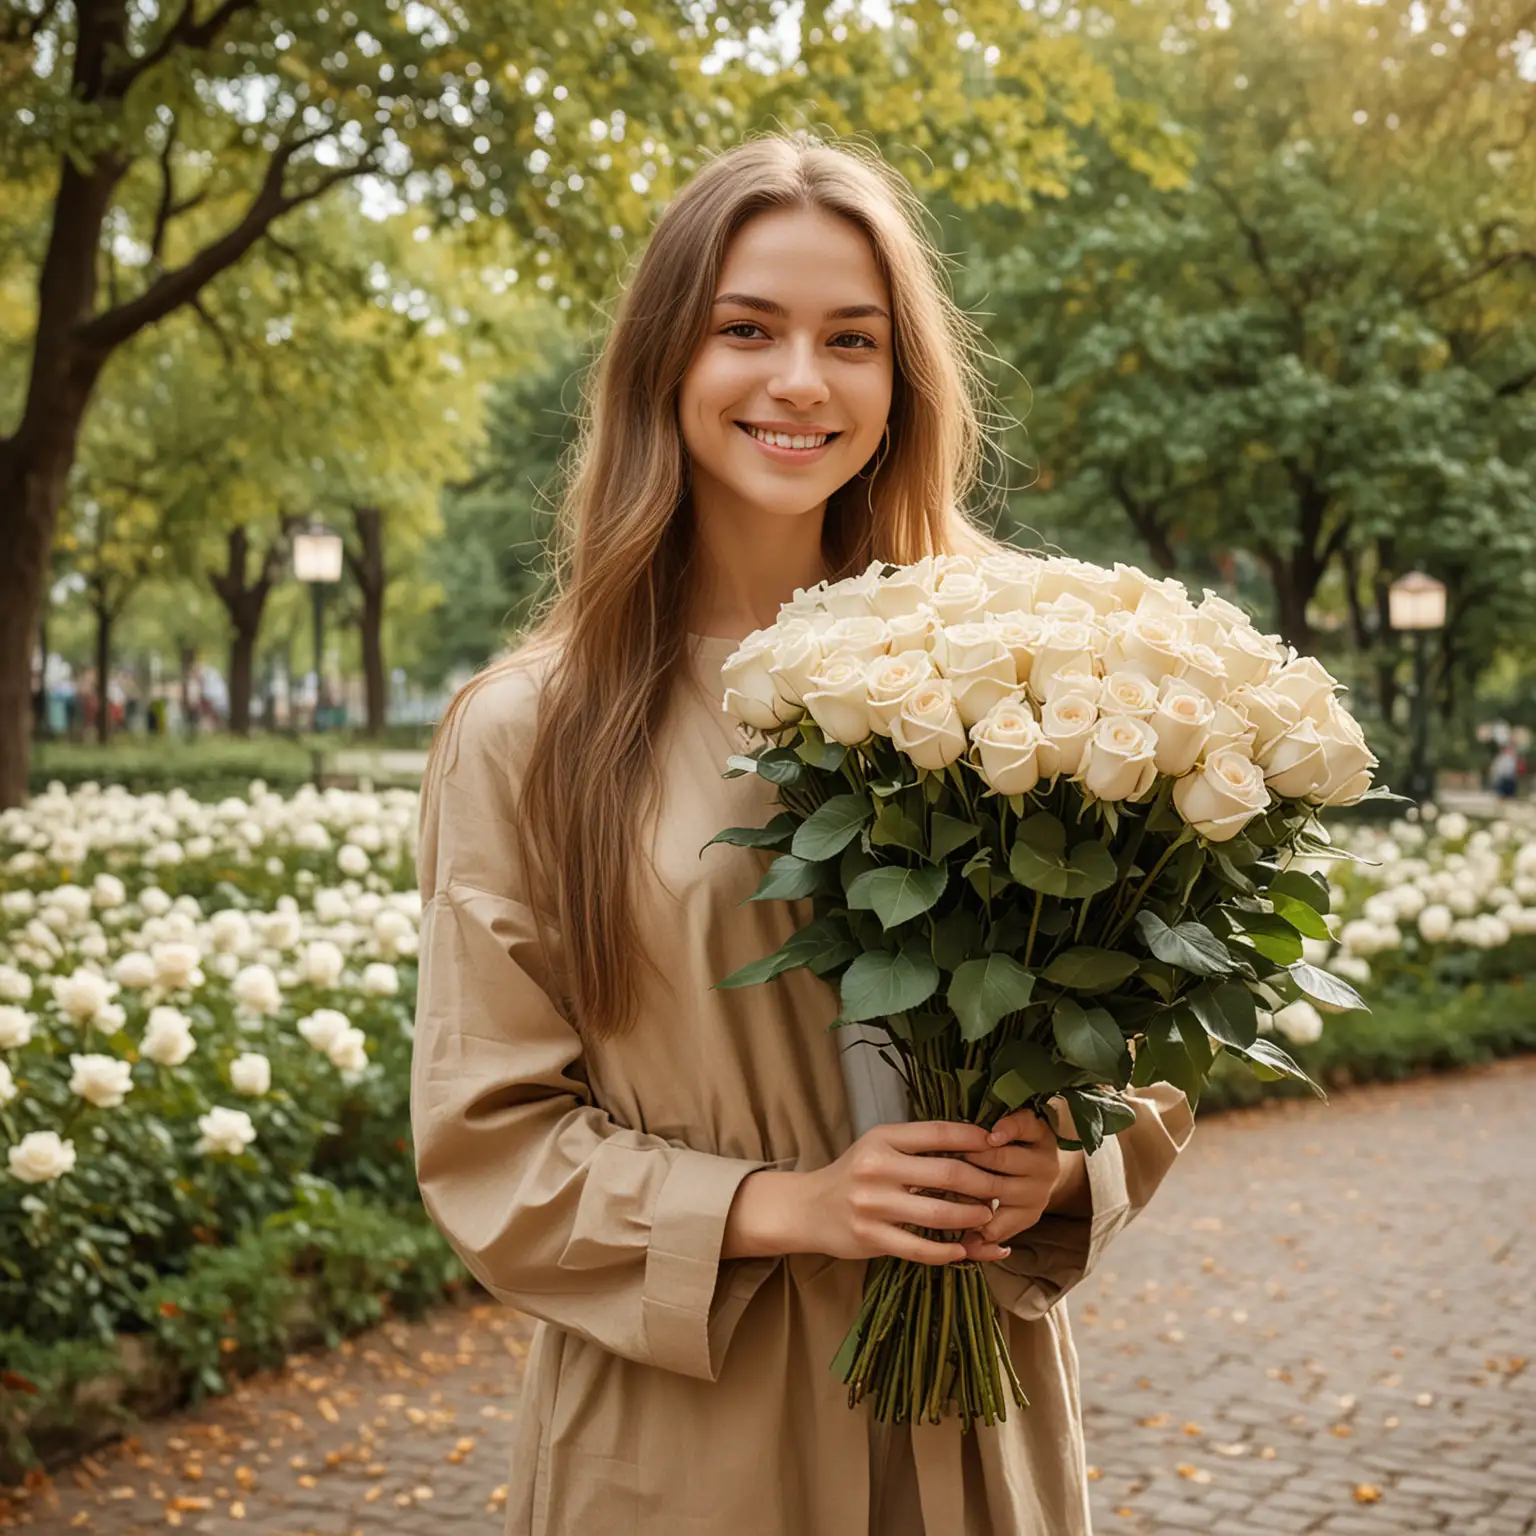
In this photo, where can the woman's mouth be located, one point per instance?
(783, 445)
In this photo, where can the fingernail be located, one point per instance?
(994, 1137)
(1006, 1252)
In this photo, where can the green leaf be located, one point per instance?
(1011, 1089)
(1087, 1121)
(788, 879)
(775, 835)
(878, 984)
(831, 827)
(1325, 986)
(781, 765)
(956, 938)
(1271, 935)
(1306, 920)
(1043, 834)
(1190, 946)
(800, 948)
(1038, 858)
(893, 827)
(818, 752)
(896, 894)
(1088, 1038)
(1302, 885)
(1036, 1067)
(1270, 1061)
(1226, 1012)
(984, 992)
(1086, 969)
(1090, 869)
(947, 833)
(853, 864)
(1177, 1051)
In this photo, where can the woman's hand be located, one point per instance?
(1022, 1149)
(859, 1206)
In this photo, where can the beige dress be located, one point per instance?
(669, 1393)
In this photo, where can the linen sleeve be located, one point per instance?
(1061, 1251)
(600, 1230)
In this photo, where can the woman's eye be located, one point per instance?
(749, 325)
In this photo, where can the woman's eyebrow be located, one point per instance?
(773, 307)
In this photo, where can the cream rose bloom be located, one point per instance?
(1077, 578)
(176, 965)
(1065, 645)
(40, 1157)
(1182, 724)
(1067, 722)
(1152, 644)
(1349, 760)
(16, 1026)
(250, 1073)
(1230, 728)
(838, 700)
(928, 728)
(979, 666)
(889, 680)
(1205, 670)
(1270, 712)
(1248, 656)
(1308, 684)
(321, 964)
(908, 591)
(1140, 593)
(104, 1081)
(960, 596)
(379, 979)
(862, 639)
(1215, 615)
(853, 596)
(348, 1052)
(1021, 633)
(1010, 582)
(1007, 743)
(1128, 693)
(83, 995)
(1224, 796)
(167, 1037)
(1084, 684)
(255, 989)
(798, 651)
(1296, 763)
(226, 1132)
(1119, 759)
(753, 692)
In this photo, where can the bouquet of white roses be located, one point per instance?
(1044, 811)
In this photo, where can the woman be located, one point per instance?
(681, 1183)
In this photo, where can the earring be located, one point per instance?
(885, 443)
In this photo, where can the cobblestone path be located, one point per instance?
(1322, 1324)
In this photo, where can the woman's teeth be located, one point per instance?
(785, 440)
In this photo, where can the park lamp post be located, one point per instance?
(1416, 603)
(317, 556)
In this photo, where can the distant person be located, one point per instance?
(1505, 772)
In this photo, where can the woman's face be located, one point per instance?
(799, 343)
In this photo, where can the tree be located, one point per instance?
(1325, 339)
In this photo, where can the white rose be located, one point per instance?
(1349, 760)
(1067, 722)
(1065, 645)
(103, 1081)
(40, 1157)
(351, 860)
(154, 901)
(322, 1026)
(229, 931)
(380, 980)
(82, 995)
(1224, 796)
(1152, 644)
(1140, 593)
(7, 1084)
(912, 631)
(1128, 693)
(838, 700)
(281, 930)
(1230, 727)
(1435, 924)
(1010, 580)
(1119, 760)
(394, 932)
(753, 693)
(1091, 583)
(1084, 684)
(979, 666)
(168, 1037)
(255, 989)
(906, 590)
(1308, 684)
(108, 891)
(1182, 724)
(1295, 764)
(226, 1132)
(928, 728)
(15, 986)
(1008, 742)
(16, 1026)
(1205, 670)
(1021, 633)
(1270, 713)
(1216, 615)
(321, 964)
(1299, 1022)
(1249, 657)
(348, 1051)
(797, 652)
(250, 1073)
(176, 965)
(959, 596)
(890, 679)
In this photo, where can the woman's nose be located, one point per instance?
(800, 376)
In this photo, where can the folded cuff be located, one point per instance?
(685, 1329)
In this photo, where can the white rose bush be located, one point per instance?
(1047, 817)
(164, 1092)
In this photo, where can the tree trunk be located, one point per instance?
(244, 603)
(367, 563)
(103, 614)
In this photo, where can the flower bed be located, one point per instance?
(205, 1021)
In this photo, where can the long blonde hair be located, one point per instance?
(616, 613)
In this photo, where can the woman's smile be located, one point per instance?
(790, 447)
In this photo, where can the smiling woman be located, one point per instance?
(654, 1167)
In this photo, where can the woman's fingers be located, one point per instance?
(1019, 1125)
(916, 1136)
(921, 1250)
(941, 1215)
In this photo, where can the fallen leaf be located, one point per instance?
(1367, 1493)
(1194, 1474)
